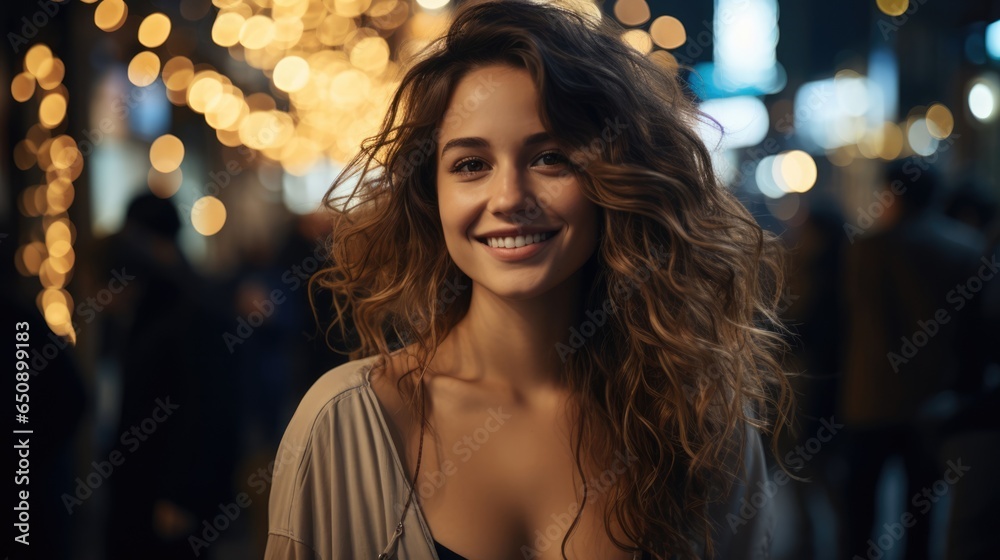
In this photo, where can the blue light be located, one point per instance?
(746, 35)
(993, 40)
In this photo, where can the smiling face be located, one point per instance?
(514, 217)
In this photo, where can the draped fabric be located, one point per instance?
(339, 486)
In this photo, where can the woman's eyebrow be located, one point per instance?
(477, 142)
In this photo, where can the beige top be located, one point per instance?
(339, 486)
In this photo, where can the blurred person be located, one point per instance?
(908, 338)
(178, 423)
(530, 126)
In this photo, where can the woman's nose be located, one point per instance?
(510, 191)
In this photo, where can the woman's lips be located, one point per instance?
(515, 254)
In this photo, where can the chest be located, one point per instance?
(499, 482)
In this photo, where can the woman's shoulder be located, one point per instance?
(316, 416)
(333, 385)
(331, 464)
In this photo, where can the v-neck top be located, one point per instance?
(339, 487)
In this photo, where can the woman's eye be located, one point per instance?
(552, 158)
(465, 163)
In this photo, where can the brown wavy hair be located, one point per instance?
(690, 356)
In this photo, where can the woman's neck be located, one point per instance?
(518, 346)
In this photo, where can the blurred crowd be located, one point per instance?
(898, 325)
(896, 341)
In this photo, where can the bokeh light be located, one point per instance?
(638, 40)
(668, 32)
(144, 68)
(166, 153)
(940, 121)
(632, 12)
(893, 7)
(208, 215)
(291, 74)
(154, 30)
(110, 15)
(37, 60)
(22, 87)
(52, 110)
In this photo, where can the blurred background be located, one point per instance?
(164, 161)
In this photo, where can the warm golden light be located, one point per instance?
(177, 73)
(52, 110)
(59, 195)
(57, 231)
(798, 169)
(390, 14)
(334, 30)
(22, 87)
(37, 60)
(287, 32)
(63, 152)
(204, 89)
(349, 88)
(638, 40)
(227, 109)
(55, 296)
(60, 248)
(354, 8)
(370, 54)
(110, 14)
(64, 263)
(664, 60)
(632, 12)
(668, 32)
(55, 75)
(49, 277)
(144, 68)
(56, 314)
(291, 74)
(226, 29)
(166, 153)
(208, 215)
(154, 30)
(893, 7)
(33, 255)
(257, 32)
(940, 121)
(266, 129)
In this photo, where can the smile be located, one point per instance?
(516, 241)
(517, 248)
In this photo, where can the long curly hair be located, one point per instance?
(687, 282)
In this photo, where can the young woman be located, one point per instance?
(566, 325)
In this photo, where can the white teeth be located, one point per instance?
(518, 241)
